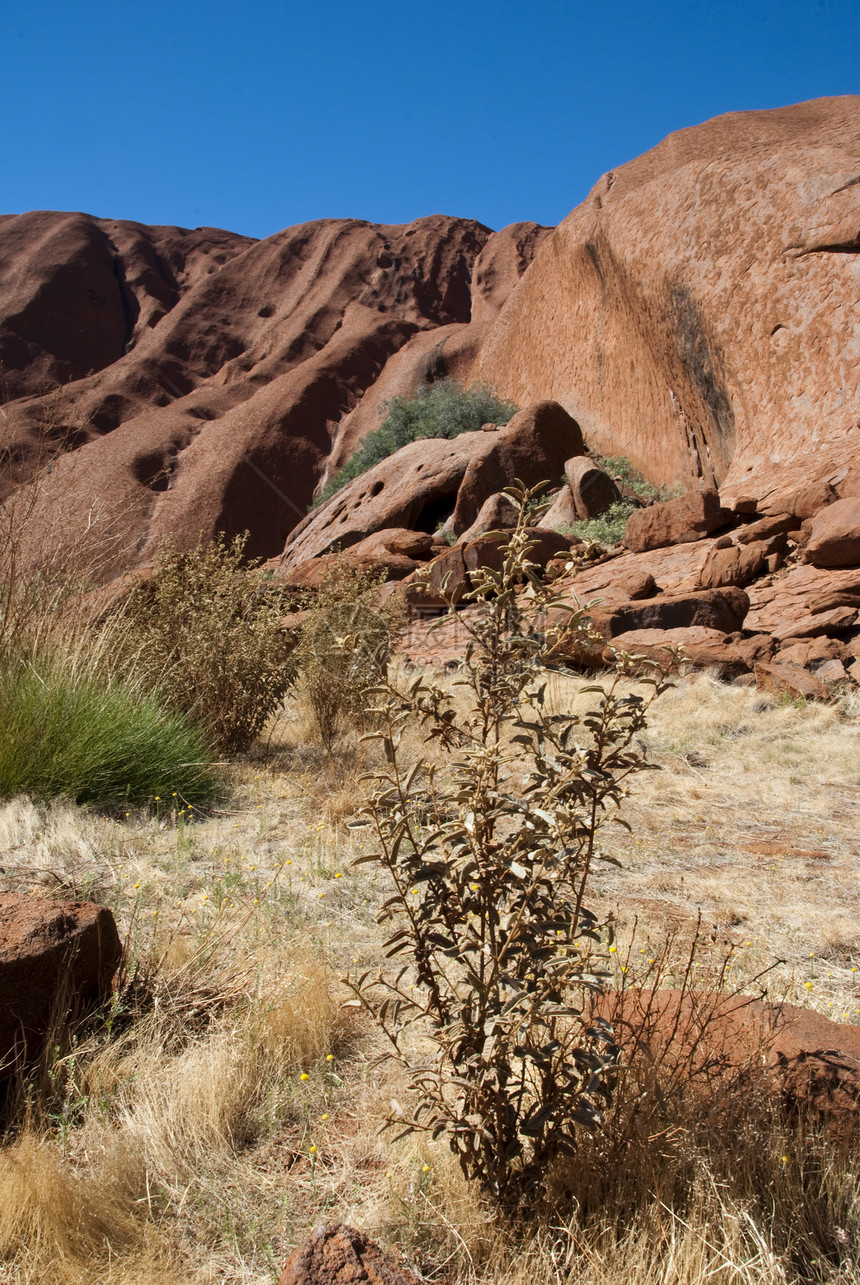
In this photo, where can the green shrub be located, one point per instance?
(489, 860)
(442, 409)
(207, 631)
(68, 729)
(608, 529)
(620, 468)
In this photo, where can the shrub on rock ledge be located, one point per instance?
(442, 409)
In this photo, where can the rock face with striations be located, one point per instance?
(698, 312)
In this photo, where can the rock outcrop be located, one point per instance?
(698, 312)
(813, 1062)
(212, 377)
(54, 956)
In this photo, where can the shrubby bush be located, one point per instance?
(620, 468)
(344, 648)
(489, 860)
(207, 632)
(608, 528)
(442, 409)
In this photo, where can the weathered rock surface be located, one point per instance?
(834, 535)
(561, 514)
(672, 312)
(789, 681)
(531, 448)
(223, 409)
(592, 489)
(690, 517)
(54, 956)
(435, 483)
(717, 610)
(497, 513)
(813, 1062)
(335, 1254)
(697, 313)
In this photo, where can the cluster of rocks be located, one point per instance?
(769, 597)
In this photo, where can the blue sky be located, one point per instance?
(256, 116)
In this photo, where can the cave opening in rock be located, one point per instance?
(435, 512)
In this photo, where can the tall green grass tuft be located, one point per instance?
(70, 730)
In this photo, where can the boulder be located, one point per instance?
(497, 513)
(736, 565)
(486, 552)
(531, 448)
(701, 646)
(54, 957)
(805, 655)
(811, 1061)
(448, 573)
(592, 489)
(834, 535)
(335, 1254)
(561, 514)
(721, 610)
(637, 583)
(831, 672)
(812, 497)
(691, 517)
(398, 541)
(758, 647)
(779, 524)
(786, 680)
(821, 622)
(415, 488)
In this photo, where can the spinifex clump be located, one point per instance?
(489, 858)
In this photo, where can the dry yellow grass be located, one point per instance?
(179, 1147)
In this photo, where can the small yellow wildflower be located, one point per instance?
(304, 1076)
(313, 1149)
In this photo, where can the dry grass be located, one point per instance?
(177, 1146)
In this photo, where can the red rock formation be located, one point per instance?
(673, 312)
(592, 490)
(212, 377)
(339, 1255)
(813, 1062)
(209, 383)
(53, 956)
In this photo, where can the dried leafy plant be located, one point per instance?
(489, 857)
(207, 630)
(344, 647)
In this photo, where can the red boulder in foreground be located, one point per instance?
(53, 956)
(339, 1255)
